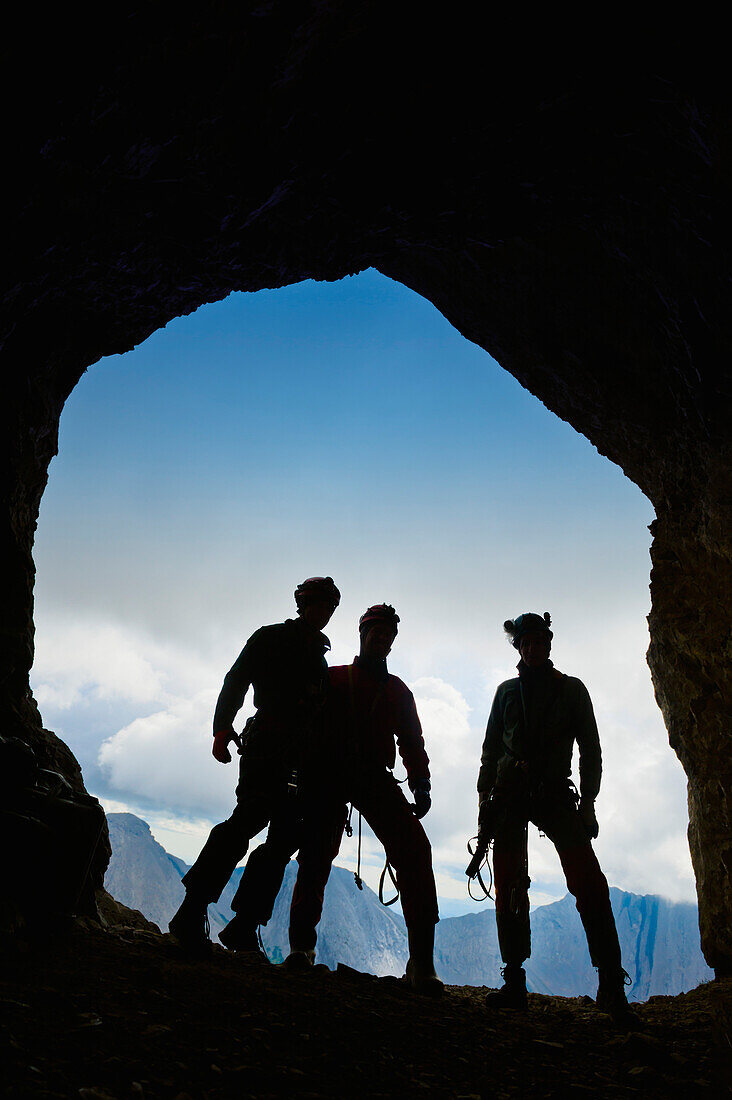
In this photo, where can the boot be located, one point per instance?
(420, 967)
(300, 961)
(190, 924)
(512, 993)
(238, 935)
(611, 994)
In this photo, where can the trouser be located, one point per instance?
(262, 795)
(585, 881)
(379, 798)
(314, 811)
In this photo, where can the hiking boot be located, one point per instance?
(420, 972)
(512, 993)
(611, 997)
(239, 936)
(190, 925)
(300, 961)
(424, 980)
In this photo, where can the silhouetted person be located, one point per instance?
(367, 708)
(286, 666)
(525, 771)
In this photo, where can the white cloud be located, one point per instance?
(162, 758)
(166, 758)
(74, 660)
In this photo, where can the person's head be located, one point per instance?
(377, 628)
(530, 635)
(316, 600)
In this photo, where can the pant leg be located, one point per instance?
(511, 883)
(261, 880)
(587, 883)
(226, 846)
(322, 830)
(387, 811)
(262, 785)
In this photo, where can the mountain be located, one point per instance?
(355, 928)
(659, 942)
(659, 939)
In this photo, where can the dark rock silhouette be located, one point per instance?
(101, 1015)
(570, 217)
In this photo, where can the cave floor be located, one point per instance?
(100, 1014)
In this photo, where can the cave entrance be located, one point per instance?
(343, 428)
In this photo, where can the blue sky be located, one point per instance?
(341, 428)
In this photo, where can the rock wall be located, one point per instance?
(574, 222)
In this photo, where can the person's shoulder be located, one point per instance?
(338, 673)
(574, 685)
(508, 685)
(271, 632)
(398, 686)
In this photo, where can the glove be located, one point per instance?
(422, 797)
(220, 743)
(586, 811)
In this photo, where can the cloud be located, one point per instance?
(166, 758)
(161, 759)
(91, 659)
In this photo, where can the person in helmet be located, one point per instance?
(368, 709)
(285, 664)
(526, 764)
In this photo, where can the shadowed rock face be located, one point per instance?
(575, 224)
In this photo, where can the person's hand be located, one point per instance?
(220, 748)
(422, 797)
(586, 811)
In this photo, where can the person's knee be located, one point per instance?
(410, 852)
(585, 880)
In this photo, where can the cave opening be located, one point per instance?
(345, 428)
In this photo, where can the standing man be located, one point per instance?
(367, 709)
(285, 663)
(525, 771)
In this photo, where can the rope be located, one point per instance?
(486, 890)
(388, 867)
(357, 872)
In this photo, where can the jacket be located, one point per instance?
(542, 736)
(371, 714)
(285, 663)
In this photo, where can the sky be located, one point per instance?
(342, 429)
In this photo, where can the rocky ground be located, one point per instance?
(123, 1014)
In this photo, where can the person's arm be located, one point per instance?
(410, 742)
(590, 757)
(231, 697)
(491, 751)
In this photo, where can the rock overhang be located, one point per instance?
(571, 222)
